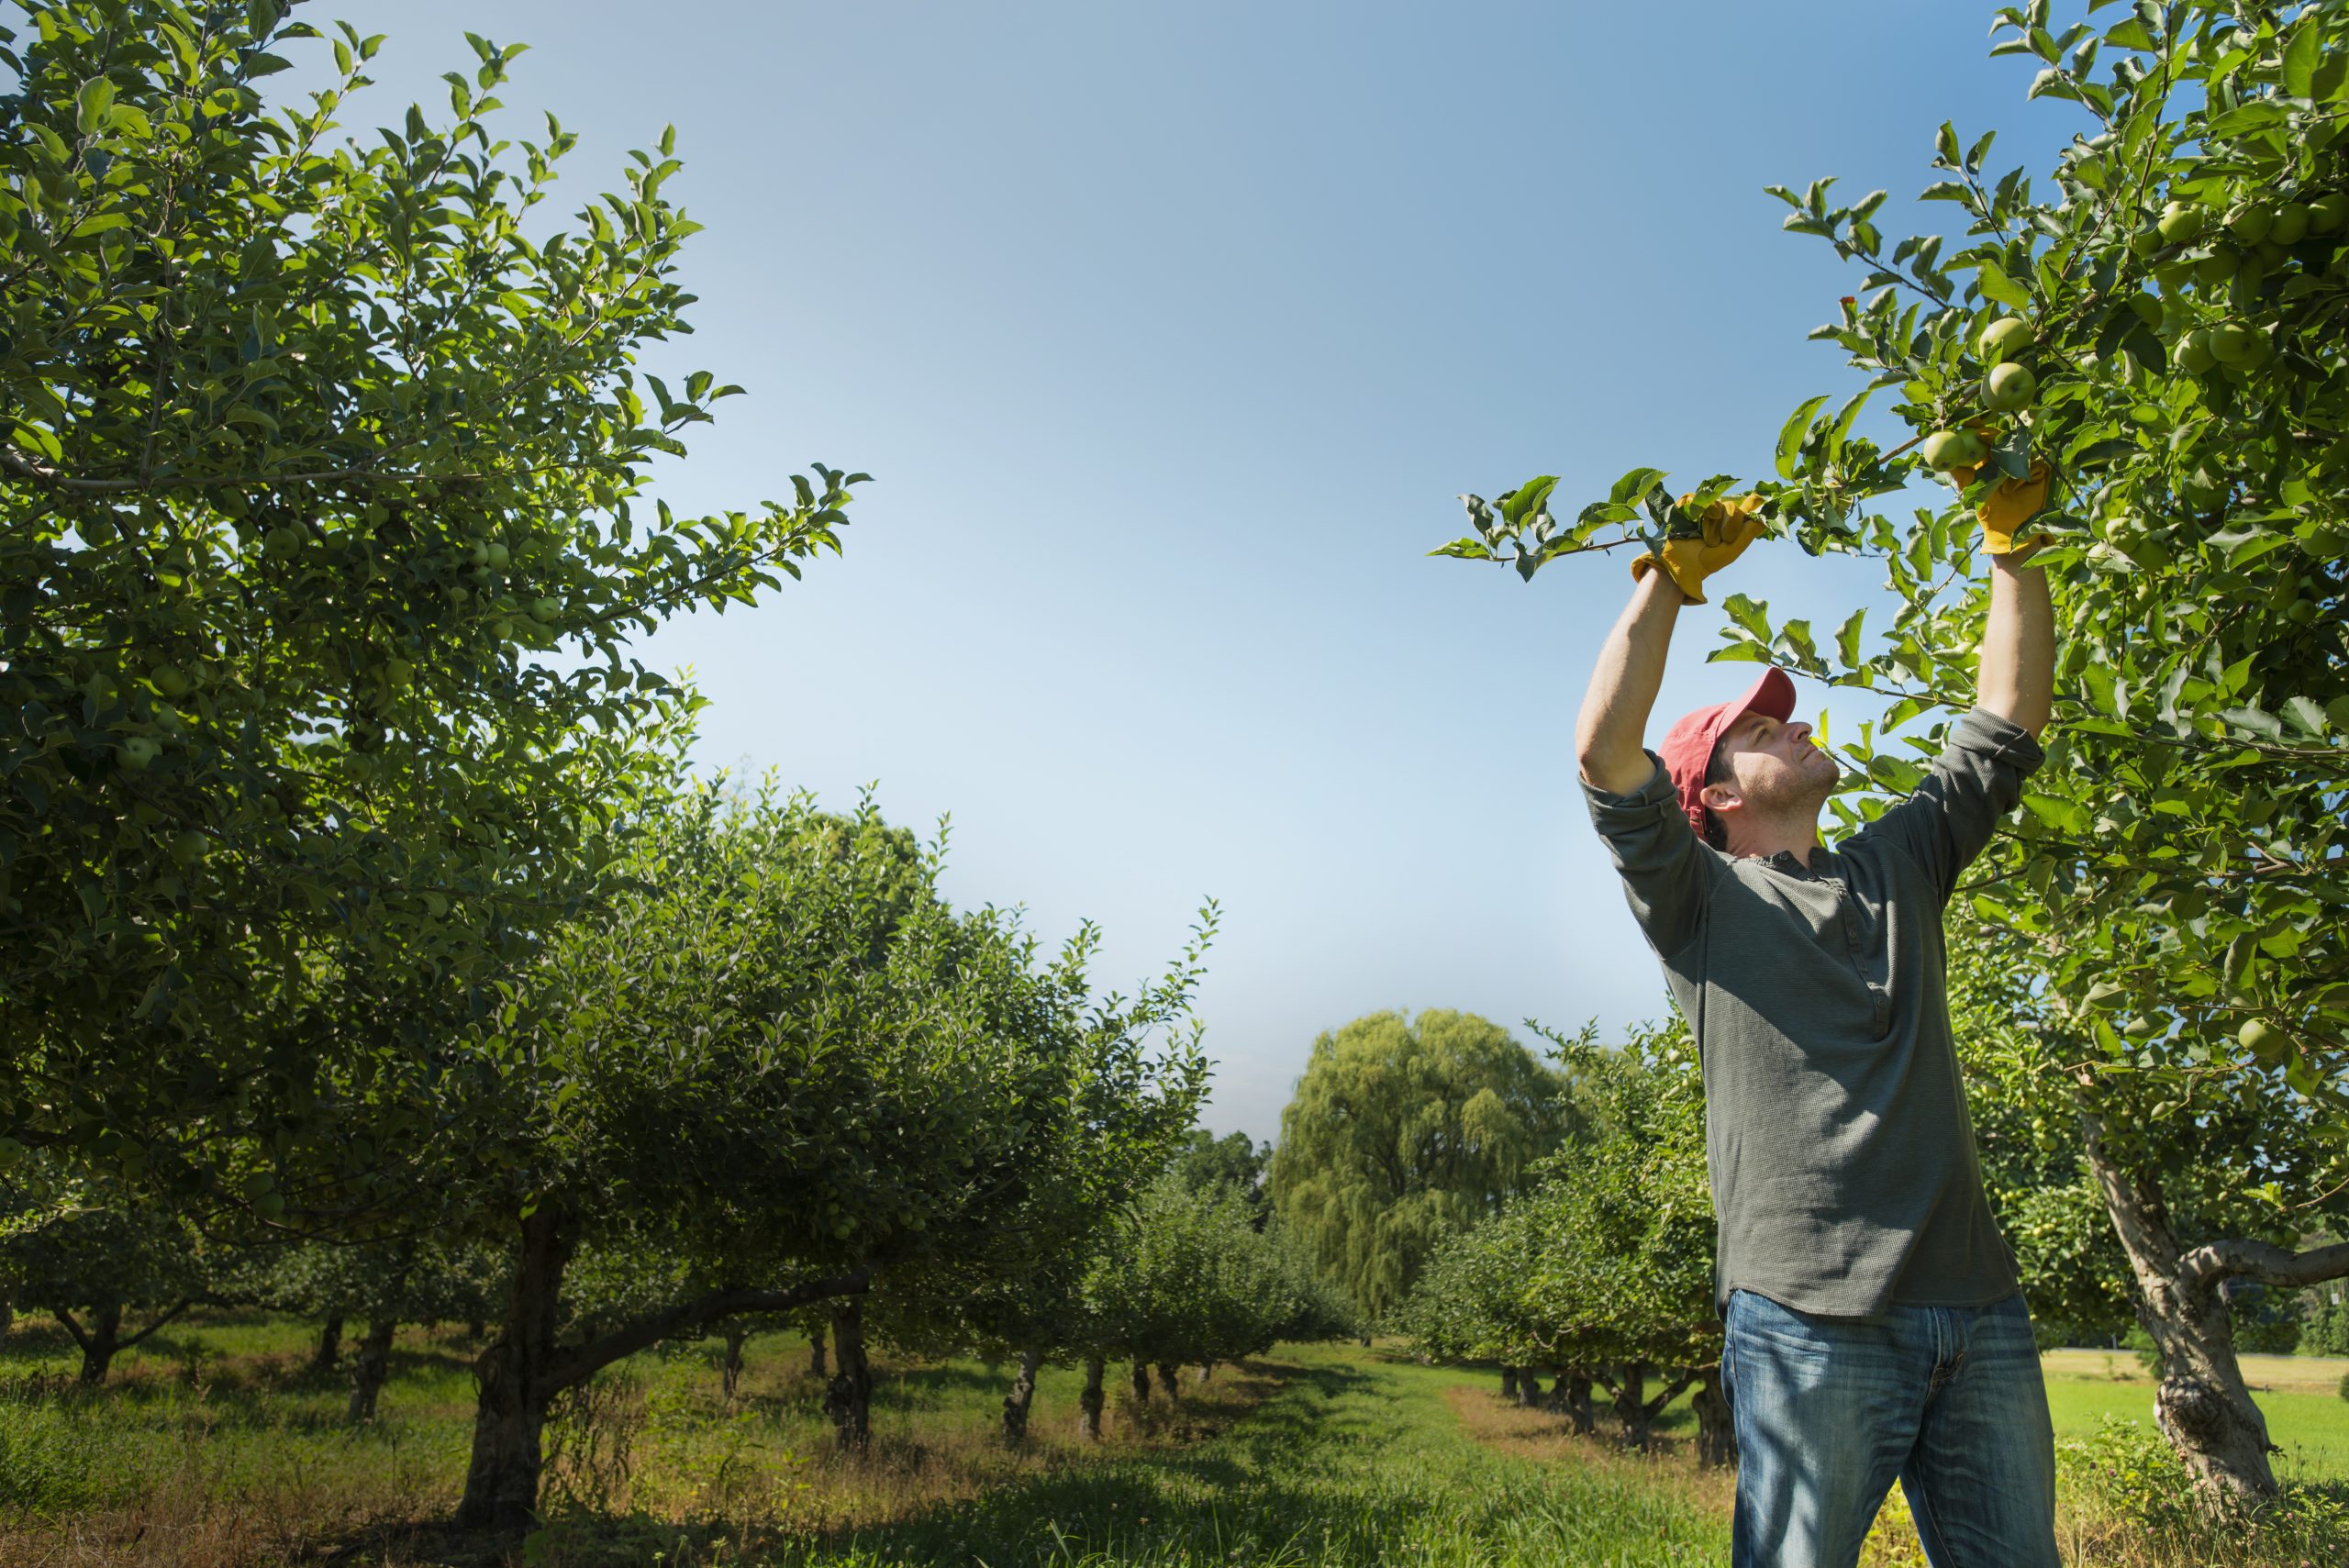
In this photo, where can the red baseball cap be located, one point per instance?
(1688, 750)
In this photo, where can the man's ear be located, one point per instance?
(1720, 797)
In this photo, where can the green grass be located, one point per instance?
(213, 1444)
(1344, 1463)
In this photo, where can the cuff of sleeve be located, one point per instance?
(1605, 804)
(1981, 732)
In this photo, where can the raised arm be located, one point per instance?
(2016, 677)
(1612, 731)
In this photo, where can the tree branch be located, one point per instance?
(72, 1328)
(184, 1303)
(575, 1362)
(2207, 1265)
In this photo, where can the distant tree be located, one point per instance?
(100, 1259)
(1235, 1164)
(1402, 1131)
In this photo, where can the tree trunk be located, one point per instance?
(1089, 1403)
(374, 1364)
(1529, 1388)
(816, 1353)
(1206, 1370)
(1634, 1411)
(329, 1350)
(1141, 1383)
(729, 1372)
(847, 1398)
(98, 1345)
(1508, 1382)
(7, 1316)
(1715, 1434)
(512, 1377)
(1576, 1404)
(1015, 1403)
(2201, 1404)
(1170, 1383)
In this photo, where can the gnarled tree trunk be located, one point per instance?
(1716, 1433)
(330, 1351)
(1635, 1412)
(1508, 1384)
(1141, 1383)
(2201, 1403)
(1023, 1390)
(847, 1399)
(1170, 1383)
(1529, 1388)
(514, 1377)
(1089, 1403)
(373, 1365)
(816, 1353)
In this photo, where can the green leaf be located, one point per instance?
(2304, 713)
(1524, 501)
(1466, 549)
(2300, 57)
(1634, 485)
(1791, 434)
(91, 104)
(1753, 615)
(1996, 285)
(1847, 639)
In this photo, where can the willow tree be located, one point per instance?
(2158, 317)
(1402, 1131)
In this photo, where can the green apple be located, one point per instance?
(2194, 356)
(2004, 338)
(2231, 342)
(2262, 1039)
(2329, 214)
(138, 752)
(2009, 387)
(2180, 221)
(545, 610)
(189, 846)
(2251, 223)
(171, 680)
(399, 673)
(1946, 449)
(500, 557)
(2214, 270)
(2291, 223)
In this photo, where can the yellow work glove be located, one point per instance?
(1726, 528)
(2010, 503)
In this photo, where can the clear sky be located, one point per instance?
(1170, 333)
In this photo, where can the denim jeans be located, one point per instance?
(1829, 1411)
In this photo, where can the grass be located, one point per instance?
(213, 1447)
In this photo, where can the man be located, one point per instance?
(1873, 1327)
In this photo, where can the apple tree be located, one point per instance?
(324, 466)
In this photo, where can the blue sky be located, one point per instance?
(1170, 334)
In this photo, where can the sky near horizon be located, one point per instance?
(1170, 334)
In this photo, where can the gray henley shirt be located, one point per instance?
(1843, 1163)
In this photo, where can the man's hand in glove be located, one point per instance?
(1727, 527)
(2010, 503)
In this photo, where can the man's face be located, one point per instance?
(1776, 765)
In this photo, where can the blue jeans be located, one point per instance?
(1830, 1410)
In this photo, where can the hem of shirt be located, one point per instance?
(1883, 1304)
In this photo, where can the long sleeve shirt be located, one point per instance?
(1841, 1154)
